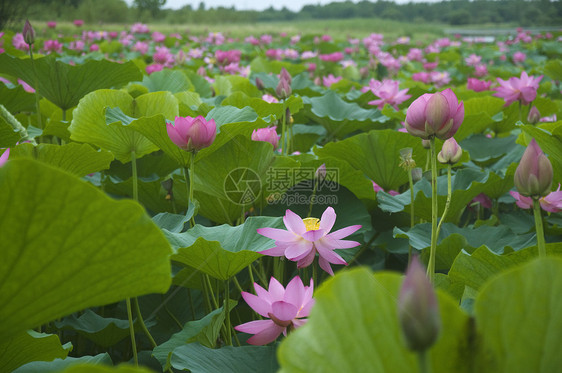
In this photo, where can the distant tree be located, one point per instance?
(152, 6)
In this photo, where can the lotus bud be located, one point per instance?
(533, 176)
(285, 75)
(259, 84)
(320, 173)
(450, 153)
(417, 174)
(435, 115)
(283, 89)
(192, 134)
(268, 134)
(418, 311)
(28, 33)
(534, 115)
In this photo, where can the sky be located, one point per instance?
(294, 5)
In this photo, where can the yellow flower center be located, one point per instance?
(311, 224)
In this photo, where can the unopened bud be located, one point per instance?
(533, 176)
(534, 115)
(283, 90)
(320, 173)
(28, 33)
(417, 174)
(259, 84)
(418, 311)
(285, 75)
(450, 153)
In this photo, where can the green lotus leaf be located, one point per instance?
(67, 246)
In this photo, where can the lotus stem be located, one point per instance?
(142, 324)
(447, 204)
(539, 228)
(283, 129)
(412, 216)
(434, 211)
(135, 178)
(423, 362)
(227, 312)
(132, 331)
(37, 97)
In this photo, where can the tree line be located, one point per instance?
(455, 12)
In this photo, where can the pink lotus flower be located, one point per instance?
(523, 89)
(552, 202)
(4, 157)
(330, 79)
(153, 67)
(51, 24)
(483, 200)
(415, 54)
(439, 114)
(78, 22)
(227, 57)
(473, 60)
(439, 78)
(519, 57)
(389, 93)
(19, 43)
(421, 76)
(269, 98)
(52, 46)
(285, 309)
(26, 86)
(478, 85)
(139, 28)
(163, 56)
(430, 65)
(533, 176)
(268, 134)
(305, 237)
(332, 57)
(480, 70)
(192, 134)
(158, 37)
(378, 188)
(274, 54)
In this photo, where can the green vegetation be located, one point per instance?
(521, 13)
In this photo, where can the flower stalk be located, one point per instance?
(132, 331)
(539, 228)
(448, 203)
(434, 211)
